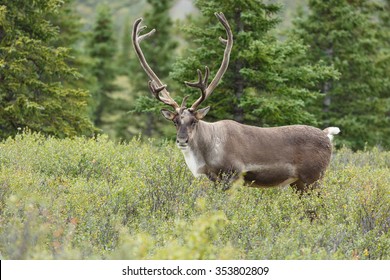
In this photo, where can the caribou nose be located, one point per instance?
(182, 141)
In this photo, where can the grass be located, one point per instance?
(97, 199)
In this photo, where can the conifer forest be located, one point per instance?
(89, 168)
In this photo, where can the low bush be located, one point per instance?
(96, 199)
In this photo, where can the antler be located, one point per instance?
(157, 88)
(206, 90)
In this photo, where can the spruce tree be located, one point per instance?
(124, 58)
(384, 17)
(266, 84)
(71, 35)
(103, 49)
(159, 51)
(344, 34)
(35, 73)
(126, 124)
(69, 25)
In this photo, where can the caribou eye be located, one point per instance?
(193, 122)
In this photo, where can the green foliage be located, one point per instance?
(34, 73)
(266, 82)
(69, 24)
(384, 16)
(124, 58)
(102, 49)
(93, 198)
(159, 51)
(344, 34)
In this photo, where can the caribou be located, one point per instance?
(295, 155)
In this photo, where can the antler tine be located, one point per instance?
(157, 88)
(184, 102)
(163, 97)
(151, 32)
(222, 40)
(202, 84)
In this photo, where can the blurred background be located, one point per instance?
(67, 68)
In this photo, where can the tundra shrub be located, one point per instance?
(93, 198)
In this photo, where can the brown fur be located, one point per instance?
(263, 156)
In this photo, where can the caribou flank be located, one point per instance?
(263, 157)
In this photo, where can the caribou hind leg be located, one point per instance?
(300, 186)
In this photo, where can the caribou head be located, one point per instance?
(263, 157)
(185, 119)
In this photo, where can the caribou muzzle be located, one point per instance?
(182, 142)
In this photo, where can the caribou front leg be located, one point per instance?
(224, 179)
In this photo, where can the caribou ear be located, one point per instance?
(201, 113)
(168, 114)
